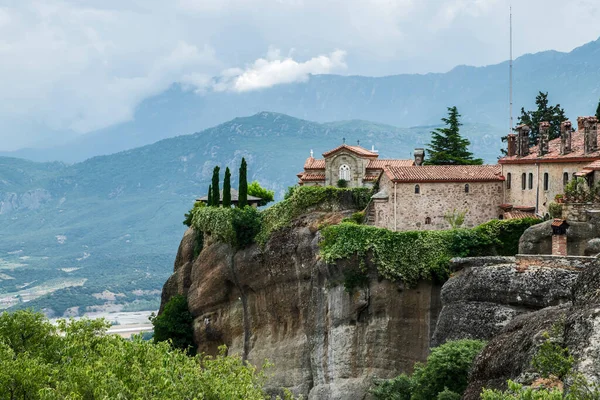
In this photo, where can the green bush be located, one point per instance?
(353, 278)
(307, 198)
(411, 256)
(448, 394)
(342, 183)
(356, 218)
(190, 214)
(555, 210)
(266, 196)
(445, 374)
(79, 360)
(447, 367)
(175, 324)
(398, 388)
(246, 224)
(290, 191)
(518, 392)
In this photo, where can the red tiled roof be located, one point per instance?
(369, 178)
(445, 173)
(519, 214)
(558, 222)
(553, 154)
(308, 176)
(361, 151)
(313, 163)
(379, 164)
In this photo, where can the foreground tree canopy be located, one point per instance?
(79, 360)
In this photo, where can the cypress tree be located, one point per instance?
(598, 111)
(227, 189)
(243, 186)
(216, 194)
(209, 197)
(447, 146)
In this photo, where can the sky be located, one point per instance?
(68, 67)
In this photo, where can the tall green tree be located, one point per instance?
(598, 110)
(447, 146)
(243, 185)
(216, 194)
(176, 324)
(227, 189)
(552, 114)
(210, 196)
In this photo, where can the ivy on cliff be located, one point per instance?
(411, 256)
(235, 226)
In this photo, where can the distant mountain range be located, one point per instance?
(480, 93)
(114, 222)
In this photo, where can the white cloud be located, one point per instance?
(272, 70)
(74, 66)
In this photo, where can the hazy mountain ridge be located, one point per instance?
(480, 93)
(113, 221)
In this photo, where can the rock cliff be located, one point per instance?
(508, 355)
(284, 304)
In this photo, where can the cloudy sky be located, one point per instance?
(80, 65)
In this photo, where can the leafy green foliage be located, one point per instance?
(235, 226)
(555, 210)
(227, 189)
(447, 366)
(175, 324)
(552, 359)
(246, 224)
(266, 196)
(552, 114)
(243, 185)
(356, 218)
(353, 278)
(518, 392)
(415, 255)
(398, 388)
(190, 214)
(455, 218)
(216, 193)
(447, 146)
(448, 394)
(578, 191)
(342, 183)
(305, 199)
(445, 374)
(78, 360)
(290, 191)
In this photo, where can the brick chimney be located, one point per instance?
(544, 138)
(523, 140)
(559, 237)
(589, 126)
(565, 137)
(419, 156)
(512, 145)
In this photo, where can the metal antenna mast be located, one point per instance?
(510, 75)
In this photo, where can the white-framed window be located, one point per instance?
(344, 172)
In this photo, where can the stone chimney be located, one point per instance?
(419, 156)
(512, 145)
(544, 138)
(589, 126)
(523, 140)
(559, 237)
(565, 137)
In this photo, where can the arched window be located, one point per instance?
(501, 216)
(508, 180)
(428, 221)
(417, 189)
(467, 188)
(546, 181)
(523, 181)
(344, 172)
(530, 180)
(565, 178)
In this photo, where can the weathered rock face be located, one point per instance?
(284, 304)
(30, 200)
(488, 292)
(508, 355)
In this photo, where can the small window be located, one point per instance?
(523, 181)
(467, 188)
(530, 180)
(546, 181)
(565, 178)
(417, 189)
(428, 221)
(501, 216)
(508, 180)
